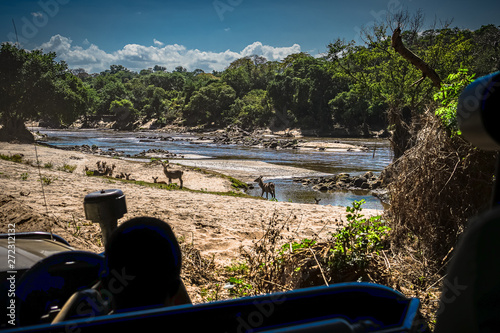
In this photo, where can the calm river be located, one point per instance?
(375, 159)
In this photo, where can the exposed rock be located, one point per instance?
(343, 181)
(359, 181)
(368, 175)
(244, 138)
(158, 153)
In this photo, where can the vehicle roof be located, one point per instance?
(27, 251)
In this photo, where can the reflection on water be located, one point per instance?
(374, 159)
(290, 191)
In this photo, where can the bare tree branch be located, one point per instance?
(400, 48)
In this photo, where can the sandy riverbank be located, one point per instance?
(215, 224)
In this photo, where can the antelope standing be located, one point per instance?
(177, 174)
(266, 187)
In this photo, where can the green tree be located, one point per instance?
(208, 104)
(249, 73)
(125, 114)
(109, 88)
(387, 85)
(120, 72)
(166, 81)
(137, 92)
(302, 89)
(158, 68)
(376, 76)
(237, 75)
(156, 97)
(34, 86)
(196, 82)
(486, 50)
(180, 69)
(252, 110)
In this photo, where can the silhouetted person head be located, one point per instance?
(144, 264)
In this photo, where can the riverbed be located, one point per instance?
(280, 166)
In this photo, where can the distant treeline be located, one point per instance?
(351, 86)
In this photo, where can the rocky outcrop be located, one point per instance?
(237, 136)
(368, 182)
(160, 153)
(343, 181)
(152, 138)
(251, 141)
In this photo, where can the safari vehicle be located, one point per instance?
(135, 284)
(21, 251)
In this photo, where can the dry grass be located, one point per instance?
(437, 185)
(200, 275)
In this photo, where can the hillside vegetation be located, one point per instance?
(349, 91)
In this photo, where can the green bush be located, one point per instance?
(356, 243)
(305, 243)
(18, 158)
(47, 180)
(68, 168)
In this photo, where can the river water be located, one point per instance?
(374, 159)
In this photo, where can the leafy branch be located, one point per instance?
(447, 98)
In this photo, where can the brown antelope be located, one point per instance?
(94, 172)
(120, 176)
(109, 170)
(266, 187)
(177, 174)
(127, 177)
(155, 179)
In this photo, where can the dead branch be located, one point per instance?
(400, 48)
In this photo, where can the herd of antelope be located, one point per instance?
(102, 169)
(105, 170)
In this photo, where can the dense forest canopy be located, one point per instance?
(351, 86)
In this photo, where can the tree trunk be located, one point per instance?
(401, 134)
(14, 130)
(401, 120)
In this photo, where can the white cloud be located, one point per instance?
(92, 59)
(137, 57)
(157, 42)
(37, 14)
(270, 52)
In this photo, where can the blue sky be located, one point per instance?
(207, 34)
